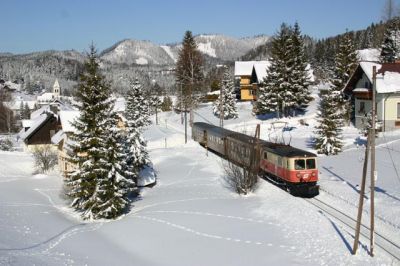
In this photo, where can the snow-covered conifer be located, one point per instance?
(390, 48)
(272, 96)
(345, 63)
(286, 85)
(94, 187)
(299, 78)
(328, 140)
(228, 98)
(137, 116)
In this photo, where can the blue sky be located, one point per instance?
(36, 25)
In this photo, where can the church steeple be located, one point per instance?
(56, 89)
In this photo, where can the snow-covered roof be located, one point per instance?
(389, 82)
(41, 110)
(244, 68)
(387, 78)
(59, 136)
(27, 123)
(46, 97)
(119, 105)
(261, 68)
(16, 105)
(12, 85)
(35, 124)
(367, 68)
(372, 55)
(66, 118)
(361, 90)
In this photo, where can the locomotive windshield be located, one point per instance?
(301, 164)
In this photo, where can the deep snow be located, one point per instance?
(191, 218)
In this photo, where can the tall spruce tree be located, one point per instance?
(286, 85)
(137, 116)
(299, 78)
(390, 48)
(228, 98)
(272, 96)
(345, 63)
(189, 70)
(95, 188)
(328, 132)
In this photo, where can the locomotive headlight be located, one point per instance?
(298, 175)
(313, 174)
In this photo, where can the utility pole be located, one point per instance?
(373, 171)
(221, 107)
(181, 107)
(362, 193)
(370, 145)
(185, 123)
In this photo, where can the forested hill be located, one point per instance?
(321, 52)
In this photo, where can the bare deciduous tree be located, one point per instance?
(241, 179)
(45, 158)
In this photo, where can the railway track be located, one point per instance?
(381, 241)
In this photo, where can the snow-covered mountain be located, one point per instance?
(228, 48)
(137, 52)
(144, 52)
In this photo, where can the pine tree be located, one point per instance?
(345, 63)
(94, 187)
(299, 79)
(137, 116)
(272, 96)
(166, 104)
(228, 98)
(21, 111)
(328, 140)
(390, 48)
(189, 70)
(286, 85)
(27, 111)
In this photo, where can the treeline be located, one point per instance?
(321, 52)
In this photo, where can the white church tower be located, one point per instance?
(56, 90)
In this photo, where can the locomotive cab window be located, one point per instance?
(310, 163)
(299, 164)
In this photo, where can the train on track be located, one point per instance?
(289, 167)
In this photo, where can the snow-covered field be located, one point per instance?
(191, 218)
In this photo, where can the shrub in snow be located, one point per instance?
(45, 158)
(240, 179)
(6, 145)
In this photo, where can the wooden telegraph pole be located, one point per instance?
(362, 192)
(370, 145)
(221, 107)
(373, 171)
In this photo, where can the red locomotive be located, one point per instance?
(294, 169)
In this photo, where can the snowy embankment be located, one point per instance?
(191, 218)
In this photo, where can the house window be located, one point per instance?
(366, 85)
(362, 107)
(52, 132)
(398, 110)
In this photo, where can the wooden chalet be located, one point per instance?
(359, 89)
(40, 130)
(249, 75)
